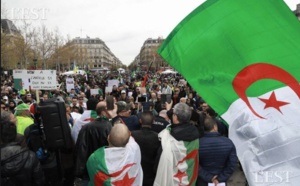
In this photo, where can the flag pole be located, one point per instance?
(146, 75)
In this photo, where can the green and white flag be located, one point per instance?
(86, 117)
(182, 154)
(243, 58)
(116, 166)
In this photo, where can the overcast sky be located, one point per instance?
(123, 25)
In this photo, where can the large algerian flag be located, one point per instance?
(181, 153)
(243, 58)
(117, 166)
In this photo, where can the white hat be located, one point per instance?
(123, 92)
(5, 97)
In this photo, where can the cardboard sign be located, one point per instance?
(37, 79)
(69, 84)
(94, 91)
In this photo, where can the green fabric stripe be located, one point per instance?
(95, 163)
(93, 114)
(221, 37)
(190, 146)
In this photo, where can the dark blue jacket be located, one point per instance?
(217, 156)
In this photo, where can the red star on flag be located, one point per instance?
(126, 181)
(180, 175)
(273, 102)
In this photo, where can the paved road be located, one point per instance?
(237, 178)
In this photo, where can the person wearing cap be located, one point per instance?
(24, 118)
(123, 97)
(124, 115)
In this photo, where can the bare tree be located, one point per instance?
(45, 44)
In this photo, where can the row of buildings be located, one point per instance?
(86, 53)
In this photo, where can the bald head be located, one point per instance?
(182, 100)
(101, 106)
(118, 136)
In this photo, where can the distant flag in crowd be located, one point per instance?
(243, 58)
(75, 69)
(133, 74)
(86, 117)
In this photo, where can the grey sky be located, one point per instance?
(122, 24)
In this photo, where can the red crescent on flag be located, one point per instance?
(89, 119)
(192, 155)
(101, 177)
(258, 71)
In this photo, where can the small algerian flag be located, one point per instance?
(86, 117)
(116, 166)
(243, 58)
(185, 156)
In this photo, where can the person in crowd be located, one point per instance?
(119, 163)
(81, 103)
(166, 89)
(136, 93)
(222, 128)
(180, 143)
(69, 116)
(19, 166)
(72, 93)
(29, 99)
(124, 114)
(161, 121)
(91, 137)
(3, 106)
(175, 97)
(123, 97)
(15, 97)
(82, 94)
(12, 106)
(149, 145)
(87, 116)
(45, 97)
(217, 156)
(75, 103)
(24, 117)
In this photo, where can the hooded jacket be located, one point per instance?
(21, 166)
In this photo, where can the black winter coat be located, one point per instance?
(91, 137)
(149, 145)
(21, 166)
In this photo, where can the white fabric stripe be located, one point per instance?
(269, 149)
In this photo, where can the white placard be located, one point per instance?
(69, 84)
(219, 184)
(113, 82)
(94, 91)
(38, 79)
(25, 83)
(108, 89)
(130, 94)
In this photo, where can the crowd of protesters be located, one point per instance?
(139, 102)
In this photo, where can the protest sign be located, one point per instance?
(69, 84)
